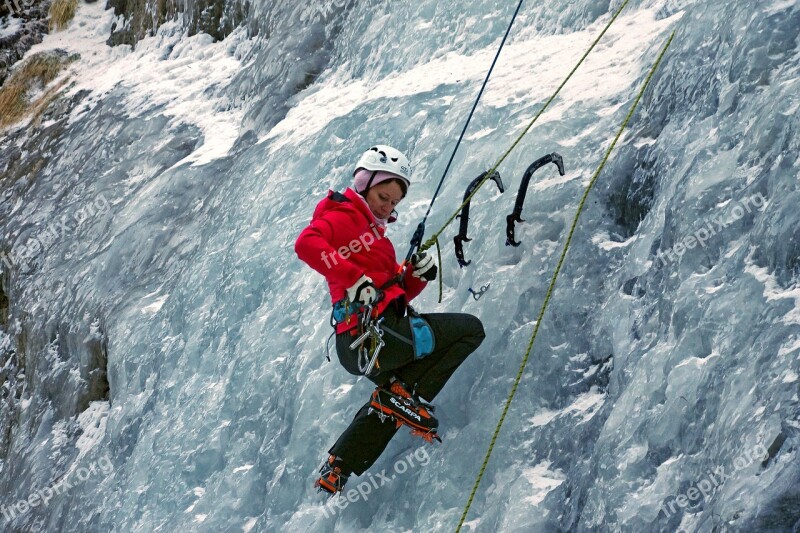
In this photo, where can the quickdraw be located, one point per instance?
(515, 215)
(368, 357)
(461, 238)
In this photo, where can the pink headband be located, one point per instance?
(362, 178)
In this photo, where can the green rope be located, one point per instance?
(553, 280)
(436, 235)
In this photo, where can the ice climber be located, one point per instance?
(417, 353)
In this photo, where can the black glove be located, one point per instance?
(424, 267)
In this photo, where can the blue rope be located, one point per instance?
(417, 240)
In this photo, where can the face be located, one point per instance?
(383, 197)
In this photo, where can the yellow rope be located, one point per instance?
(553, 281)
(435, 236)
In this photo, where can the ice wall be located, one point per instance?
(162, 347)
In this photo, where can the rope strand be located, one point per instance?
(416, 240)
(436, 235)
(474, 106)
(553, 281)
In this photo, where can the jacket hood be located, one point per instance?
(350, 199)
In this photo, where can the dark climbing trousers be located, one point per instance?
(457, 335)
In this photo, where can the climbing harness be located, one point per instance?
(461, 238)
(515, 215)
(371, 330)
(368, 328)
(550, 288)
(477, 295)
(422, 340)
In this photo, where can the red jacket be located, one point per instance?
(344, 241)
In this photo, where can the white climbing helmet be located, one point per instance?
(382, 157)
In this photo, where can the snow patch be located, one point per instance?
(473, 524)
(777, 7)
(603, 241)
(155, 307)
(543, 417)
(542, 481)
(773, 291)
(479, 134)
(697, 362)
(188, 85)
(341, 390)
(585, 406)
(619, 66)
(93, 425)
(789, 347)
(10, 27)
(556, 180)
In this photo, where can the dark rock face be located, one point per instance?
(32, 17)
(143, 17)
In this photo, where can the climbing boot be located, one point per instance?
(332, 476)
(397, 403)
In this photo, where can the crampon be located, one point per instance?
(400, 405)
(332, 478)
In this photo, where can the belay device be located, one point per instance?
(523, 187)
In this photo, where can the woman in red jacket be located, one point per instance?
(346, 243)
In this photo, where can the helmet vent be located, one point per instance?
(383, 158)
